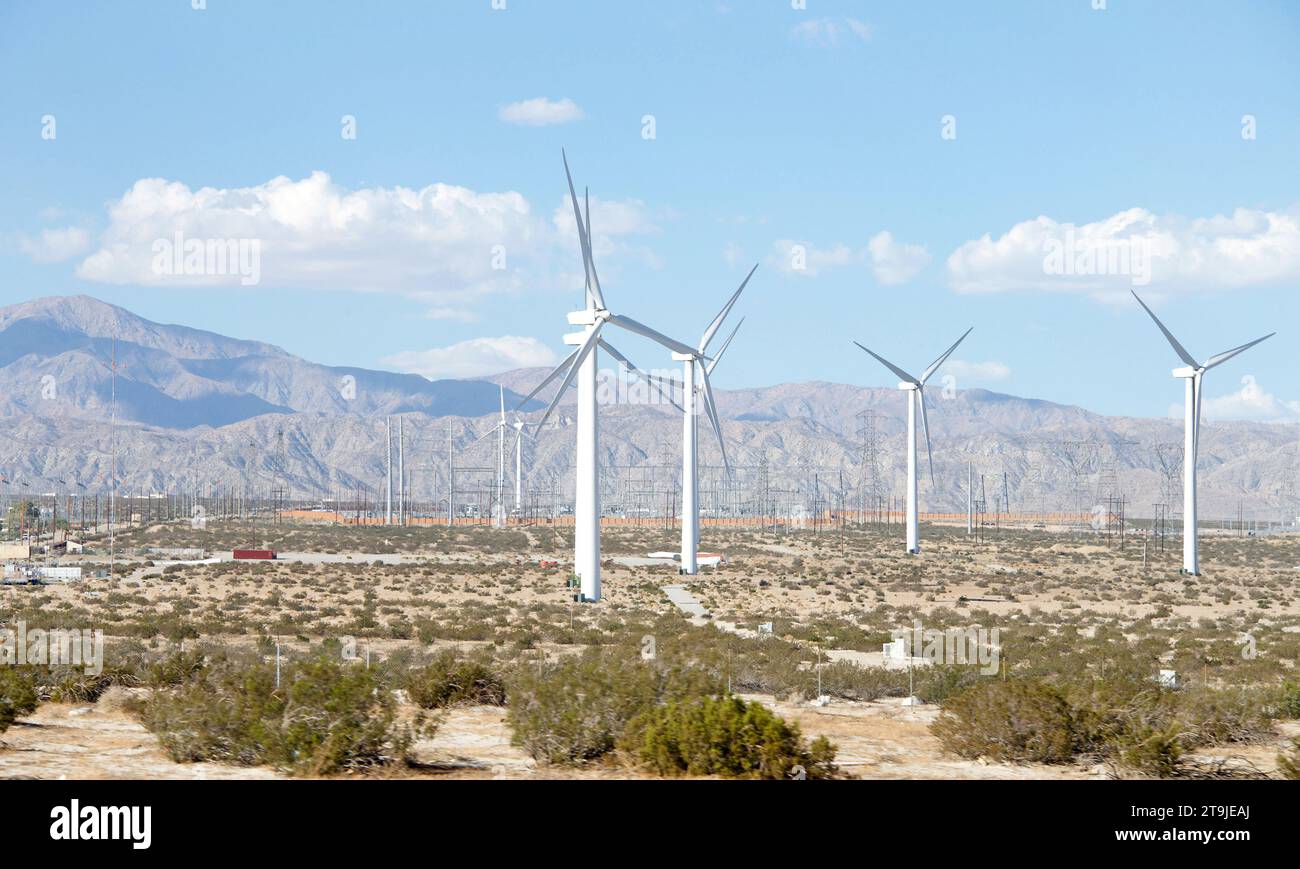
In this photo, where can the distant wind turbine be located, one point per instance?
(694, 393)
(916, 388)
(1192, 374)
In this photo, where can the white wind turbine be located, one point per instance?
(916, 397)
(582, 363)
(520, 434)
(1192, 374)
(499, 429)
(694, 393)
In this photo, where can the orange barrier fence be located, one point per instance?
(828, 517)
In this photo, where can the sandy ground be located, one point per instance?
(882, 739)
(769, 575)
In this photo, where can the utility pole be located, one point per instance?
(112, 469)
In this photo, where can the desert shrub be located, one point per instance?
(574, 711)
(1289, 762)
(17, 695)
(447, 680)
(325, 717)
(1018, 720)
(723, 736)
(1286, 704)
(1213, 717)
(1148, 748)
(176, 668)
(938, 683)
(73, 685)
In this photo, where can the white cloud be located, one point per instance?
(802, 258)
(1133, 248)
(1250, 402)
(474, 358)
(977, 371)
(540, 112)
(829, 32)
(444, 245)
(55, 245)
(893, 262)
(438, 242)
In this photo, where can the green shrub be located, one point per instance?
(1017, 720)
(1287, 702)
(574, 711)
(17, 696)
(325, 717)
(447, 681)
(176, 668)
(723, 736)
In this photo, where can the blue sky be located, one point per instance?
(827, 130)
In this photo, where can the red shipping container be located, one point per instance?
(254, 554)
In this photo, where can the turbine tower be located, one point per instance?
(915, 387)
(697, 391)
(582, 364)
(499, 514)
(520, 434)
(1191, 375)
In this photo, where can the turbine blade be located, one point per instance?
(1223, 357)
(609, 348)
(925, 425)
(593, 291)
(645, 331)
(891, 366)
(934, 366)
(726, 309)
(559, 369)
(582, 353)
(725, 344)
(591, 252)
(1173, 342)
(711, 409)
(503, 403)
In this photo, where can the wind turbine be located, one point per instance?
(916, 397)
(1192, 374)
(499, 429)
(582, 364)
(518, 425)
(694, 393)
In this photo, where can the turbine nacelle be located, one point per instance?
(588, 317)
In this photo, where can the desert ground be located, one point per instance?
(1068, 606)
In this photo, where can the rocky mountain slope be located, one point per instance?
(197, 410)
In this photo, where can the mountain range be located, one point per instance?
(86, 386)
